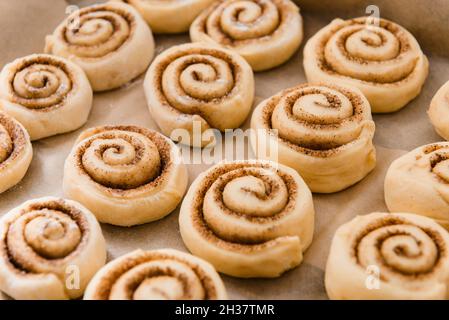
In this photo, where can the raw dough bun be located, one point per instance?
(172, 16)
(111, 42)
(265, 32)
(192, 88)
(248, 218)
(439, 111)
(16, 152)
(126, 175)
(322, 131)
(388, 256)
(49, 95)
(50, 248)
(418, 182)
(385, 62)
(163, 274)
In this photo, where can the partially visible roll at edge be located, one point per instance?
(16, 152)
(439, 111)
(157, 274)
(399, 247)
(50, 248)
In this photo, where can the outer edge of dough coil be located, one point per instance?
(439, 111)
(146, 203)
(15, 166)
(117, 67)
(335, 166)
(383, 97)
(270, 50)
(411, 185)
(68, 114)
(346, 279)
(266, 258)
(100, 286)
(225, 112)
(88, 256)
(169, 16)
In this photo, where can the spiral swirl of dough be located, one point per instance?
(323, 131)
(164, 274)
(47, 94)
(384, 61)
(418, 182)
(407, 253)
(41, 240)
(174, 16)
(439, 111)
(125, 175)
(110, 41)
(249, 218)
(16, 152)
(195, 87)
(265, 32)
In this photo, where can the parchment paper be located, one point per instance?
(24, 25)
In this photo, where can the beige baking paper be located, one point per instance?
(23, 26)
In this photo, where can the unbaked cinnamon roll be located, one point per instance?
(439, 111)
(248, 218)
(265, 32)
(50, 248)
(111, 42)
(172, 16)
(322, 131)
(126, 175)
(163, 274)
(196, 87)
(388, 256)
(16, 152)
(418, 182)
(47, 94)
(384, 61)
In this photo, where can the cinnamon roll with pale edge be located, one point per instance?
(126, 175)
(47, 94)
(439, 111)
(248, 218)
(322, 131)
(173, 16)
(388, 256)
(196, 87)
(163, 274)
(418, 182)
(50, 248)
(16, 152)
(111, 42)
(265, 32)
(380, 58)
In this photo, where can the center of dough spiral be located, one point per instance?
(41, 83)
(399, 250)
(39, 239)
(53, 235)
(122, 160)
(96, 31)
(318, 117)
(193, 79)
(371, 53)
(251, 193)
(242, 20)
